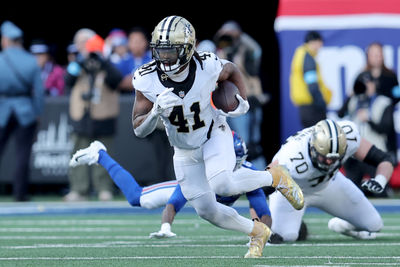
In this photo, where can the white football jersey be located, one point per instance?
(187, 124)
(294, 154)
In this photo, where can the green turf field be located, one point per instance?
(122, 240)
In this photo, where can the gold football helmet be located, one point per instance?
(173, 43)
(328, 145)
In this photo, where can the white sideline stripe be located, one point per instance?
(131, 221)
(323, 221)
(146, 237)
(104, 229)
(311, 236)
(128, 244)
(202, 257)
(123, 237)
(71, 229)
(388, 227)
(325, 22)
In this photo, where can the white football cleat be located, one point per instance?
(89, 155)
(162, 234)
(165, 232)
(345, 228)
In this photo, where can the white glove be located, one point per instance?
(241, 109)
(164, 101)
(161, 234)
(375, 185)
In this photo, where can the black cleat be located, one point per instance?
(275, 239)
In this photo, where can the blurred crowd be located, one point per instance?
(98, 70)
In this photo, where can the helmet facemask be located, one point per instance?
(171, 58)
(327, 162)
(327, 145)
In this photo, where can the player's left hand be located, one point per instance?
(162, 234)
(241, 109)
(373, 186)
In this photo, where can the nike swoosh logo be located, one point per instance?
(76, 159)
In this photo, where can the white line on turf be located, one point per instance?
(181, 243)
(96, 222)
(205, 257)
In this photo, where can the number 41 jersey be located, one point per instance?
(189, 122)
(294, 154)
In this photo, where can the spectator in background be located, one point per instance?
(117, 51)
(206, 46)
(235, 45)
(52, 74)
(72, 53)
(94, 108)
(138, 45)
(385, 80)
(372, 112)
(307, 89)
(21, 102)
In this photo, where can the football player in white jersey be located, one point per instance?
(176, 88)
(313, 157)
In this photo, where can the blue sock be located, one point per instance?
(177, 199)
(122, 178)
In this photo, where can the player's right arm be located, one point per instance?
(145, 114)
(143, 120)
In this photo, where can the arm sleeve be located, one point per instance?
(177, 199)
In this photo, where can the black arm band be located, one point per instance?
(375, 156)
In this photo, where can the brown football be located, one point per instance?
(224, 96)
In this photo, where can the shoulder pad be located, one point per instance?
(352, 135)
(211, 62)
(145, 69)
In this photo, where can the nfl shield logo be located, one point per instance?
(181, 94)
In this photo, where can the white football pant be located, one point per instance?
(219, 157)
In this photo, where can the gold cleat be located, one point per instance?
(259, 236)
(283, 182)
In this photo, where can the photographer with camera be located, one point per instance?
(372, 112)
(94, 108)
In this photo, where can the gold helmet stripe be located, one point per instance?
(334, 137)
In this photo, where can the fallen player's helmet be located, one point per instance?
(328, 145)
(240, 150)
(173, 43)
